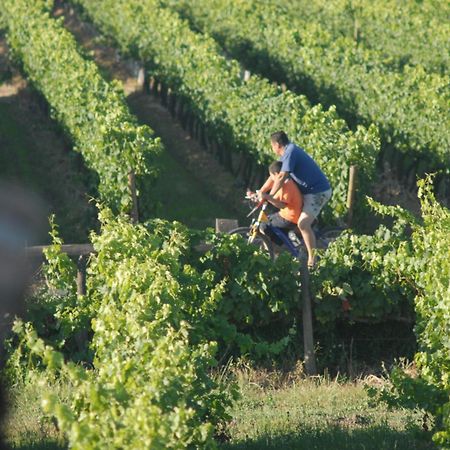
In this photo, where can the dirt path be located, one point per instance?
(186, 154)
(33, 153)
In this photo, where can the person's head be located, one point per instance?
(279, 140)
(275, 169)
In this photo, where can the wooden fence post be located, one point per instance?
(152, 86)
(356, 30)
(132, 187)
(81, 275)
(81, 338)
(141, 79)
(308, 334)
(351, 193)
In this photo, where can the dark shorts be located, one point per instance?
(276, 221)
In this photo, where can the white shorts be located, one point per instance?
(313, 203)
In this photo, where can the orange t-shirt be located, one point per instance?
(291, 195)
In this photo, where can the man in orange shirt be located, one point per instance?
(288, 199)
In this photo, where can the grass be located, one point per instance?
(26, 427)
(317, 414)
(274, 412)
(32, 155)
(184, 199)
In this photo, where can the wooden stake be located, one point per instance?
(351, 193)
(152, 86)
(308, 335)
(356, 30)
(81, 337)
(132, 186)
(141, 78)
(81, 275)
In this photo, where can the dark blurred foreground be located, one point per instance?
(23, 222)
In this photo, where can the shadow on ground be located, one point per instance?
(339, 438)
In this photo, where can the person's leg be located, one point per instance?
(309, 238)
(275, 220)
(312, 205)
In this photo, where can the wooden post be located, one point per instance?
(308, 335)
(184, 116)
(351, 193)
(202, 135)
(81, 338)
(147, 81)
(179, 107)
(191, 125)
(172, 101)
(163, 94)
(356, 30)
(152, 85)
(81, 275)
(132, 186)
(208, 144)
(141, 79)
(217, 150)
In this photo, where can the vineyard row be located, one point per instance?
(239, 115)
(410, 106)
(92, 111)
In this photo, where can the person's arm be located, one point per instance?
(275, 202)
(266, 187)
(279, 180)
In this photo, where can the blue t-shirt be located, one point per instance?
(303, 170)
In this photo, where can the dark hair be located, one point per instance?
(275, 167)
(280, 137)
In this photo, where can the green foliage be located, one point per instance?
(282, 43)
(425, 265)
(158, 314)
(259, 295)
(229, 294)
(430, 269)
(56, 313)
(150, 388)
(92, 111)
(354, 280)
(408, 32)
(239, 114)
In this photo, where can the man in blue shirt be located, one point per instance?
(311, 181)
